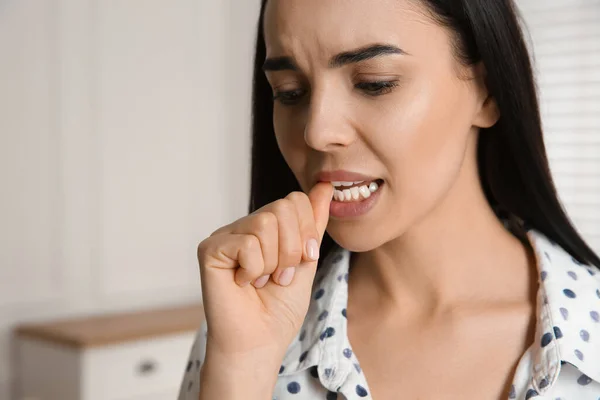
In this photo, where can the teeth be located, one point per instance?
(355, 193)
(338, 184)
(364, 191)
(347, 194)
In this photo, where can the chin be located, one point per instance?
(356, 239)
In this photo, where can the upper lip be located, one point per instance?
(343, 176)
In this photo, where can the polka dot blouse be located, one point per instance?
(563, 362)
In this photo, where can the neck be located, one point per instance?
(459, 254)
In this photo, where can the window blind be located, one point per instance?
(564, 36)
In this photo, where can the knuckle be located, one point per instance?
(249, 243)
(220, 230)
(202, 249)
(264, 222)
(297, 197)
(282, 206)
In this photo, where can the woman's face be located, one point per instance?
(372, 87)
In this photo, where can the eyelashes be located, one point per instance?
(377, 88)
(289, 97)
(372, 89)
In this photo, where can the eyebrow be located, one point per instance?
(339, 60)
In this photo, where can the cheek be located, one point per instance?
(422, 139)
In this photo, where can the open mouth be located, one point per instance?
(355, 191)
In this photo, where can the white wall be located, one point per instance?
(122, 125)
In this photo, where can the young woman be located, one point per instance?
(399, 143)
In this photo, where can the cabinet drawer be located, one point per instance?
(135, 369)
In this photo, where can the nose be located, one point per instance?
(327, 124)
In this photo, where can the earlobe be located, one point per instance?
(488, 114)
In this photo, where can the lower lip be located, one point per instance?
(342, 209)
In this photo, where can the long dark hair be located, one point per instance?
(512, 159)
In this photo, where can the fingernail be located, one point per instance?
(242, 284)
(312, 249)
(262, 281)
(286, 276)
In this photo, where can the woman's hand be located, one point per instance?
(257, 274)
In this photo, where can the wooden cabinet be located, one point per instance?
(131, 356)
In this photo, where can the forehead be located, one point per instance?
(330, 25)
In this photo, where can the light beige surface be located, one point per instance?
(116, 328)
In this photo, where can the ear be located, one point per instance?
(487, 109)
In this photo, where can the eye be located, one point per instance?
(289, 97)
(377, 88)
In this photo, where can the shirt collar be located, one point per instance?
(568, 321)
(567, 327)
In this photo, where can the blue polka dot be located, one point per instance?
(327, 333)
(361, 391)
(572, 275)
(331, 395)
(281, 369)
(293, 387)
(328, 372)
(557, 332)
(585, 336)
(340, 277)
(584, 380)
(319, 294)
(531, 393)
(302, 335)
(546, 339)
(303, 356)
(197, 364)
(565, 313)
(189, 366)
(543, 383)
(547, 255)
(512, 394)
(344, 313)
(595, 316)
(569, 293)
(598, 293)
(579, 354)
(591, 271)
(337, 258)
(314, 372)
(346, 278)
(544, 275)
(323, 315)
(347, 353)
(357, 367)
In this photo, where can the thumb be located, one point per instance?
(320, 197)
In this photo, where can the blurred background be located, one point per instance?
(124, 141)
